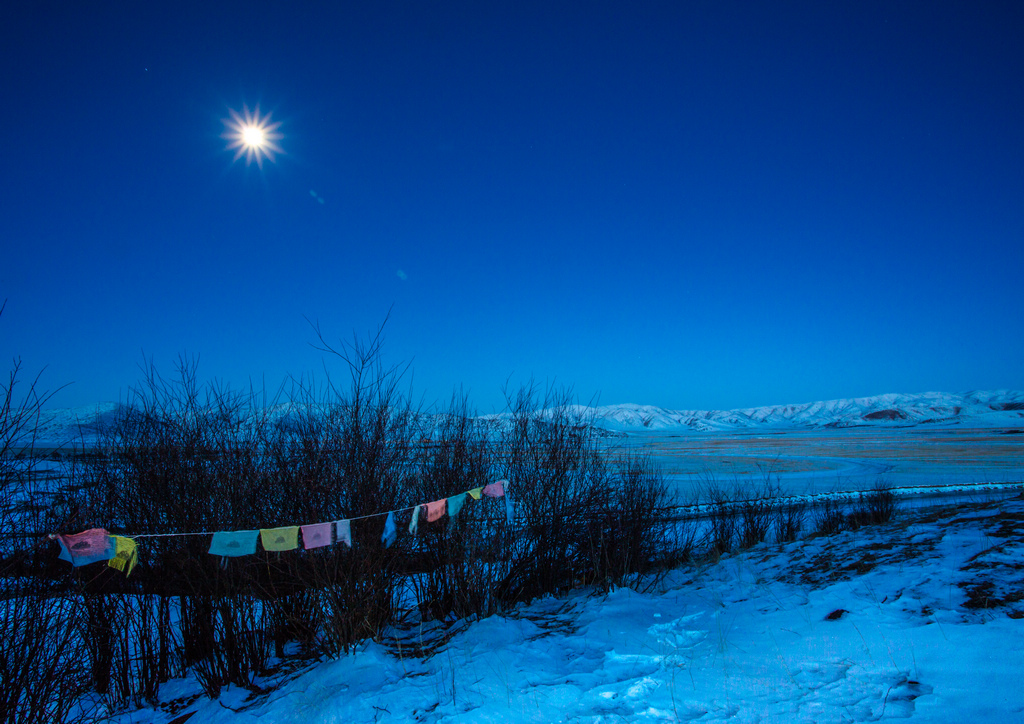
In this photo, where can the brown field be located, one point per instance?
(852, 459)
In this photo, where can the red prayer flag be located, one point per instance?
(87, 547)
(436, 509)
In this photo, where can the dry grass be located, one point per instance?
(991, 579)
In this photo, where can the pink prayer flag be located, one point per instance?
(495, 490)
(436, 509)
(316, 535)
(87, 547)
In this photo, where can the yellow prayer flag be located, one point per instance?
(475, 493)
(280, 539)
(126, 555)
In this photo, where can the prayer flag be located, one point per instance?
(126, 555)
(436, 509)
(495, 490)
(509, 512)
(390, 532)
(414, 524)
(280, 539)
(89, 546)
(455, 504)
(233, 543)
(316, 535)
(475, 493)
(344, 532)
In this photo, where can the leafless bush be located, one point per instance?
(756, 510)
(182, 457)
(789, 520)
(721, 526)
(452, 558)
(186, 458)
(132, 644)
(630, 538)
(829, 517)
(43, 677)
(548, 452)
(877, 506)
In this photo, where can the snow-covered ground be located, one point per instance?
(921, 618)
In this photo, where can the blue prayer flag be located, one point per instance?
(234, 543)
(390, 532)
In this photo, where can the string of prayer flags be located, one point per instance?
(316, 535)
(390, 532)
(414, 524)
(280, 539)
(126, 555)
(121, 552)
(91, 546)
(436, 509)
(233, 543)
(343, 529)
(495, 490)
(455, 504)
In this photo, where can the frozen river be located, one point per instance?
(824, 461)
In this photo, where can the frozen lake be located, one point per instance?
(824, 461)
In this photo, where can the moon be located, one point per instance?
(252, 136)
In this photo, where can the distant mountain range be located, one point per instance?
(999, 408)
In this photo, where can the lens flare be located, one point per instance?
(252, 136)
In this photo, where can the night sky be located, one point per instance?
(697, 205)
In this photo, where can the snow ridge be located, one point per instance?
(978, 408)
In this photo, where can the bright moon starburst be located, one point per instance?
(252, 136)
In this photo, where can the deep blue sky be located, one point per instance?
(689, 204)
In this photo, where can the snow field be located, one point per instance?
(922, 619)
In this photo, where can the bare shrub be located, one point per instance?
(680, 536)
(240, 632)
(132, 645)
(631, 538)
(756, 510)
(453, 575)
(43, 677)
(829, 517)
(877, 506)
(548, 452)
(581, 517)
(721, 524)
(789, 520)
(42, 674)
(349, 451)
(186, 458)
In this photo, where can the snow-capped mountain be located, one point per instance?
(73, 423)
(979, 408)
